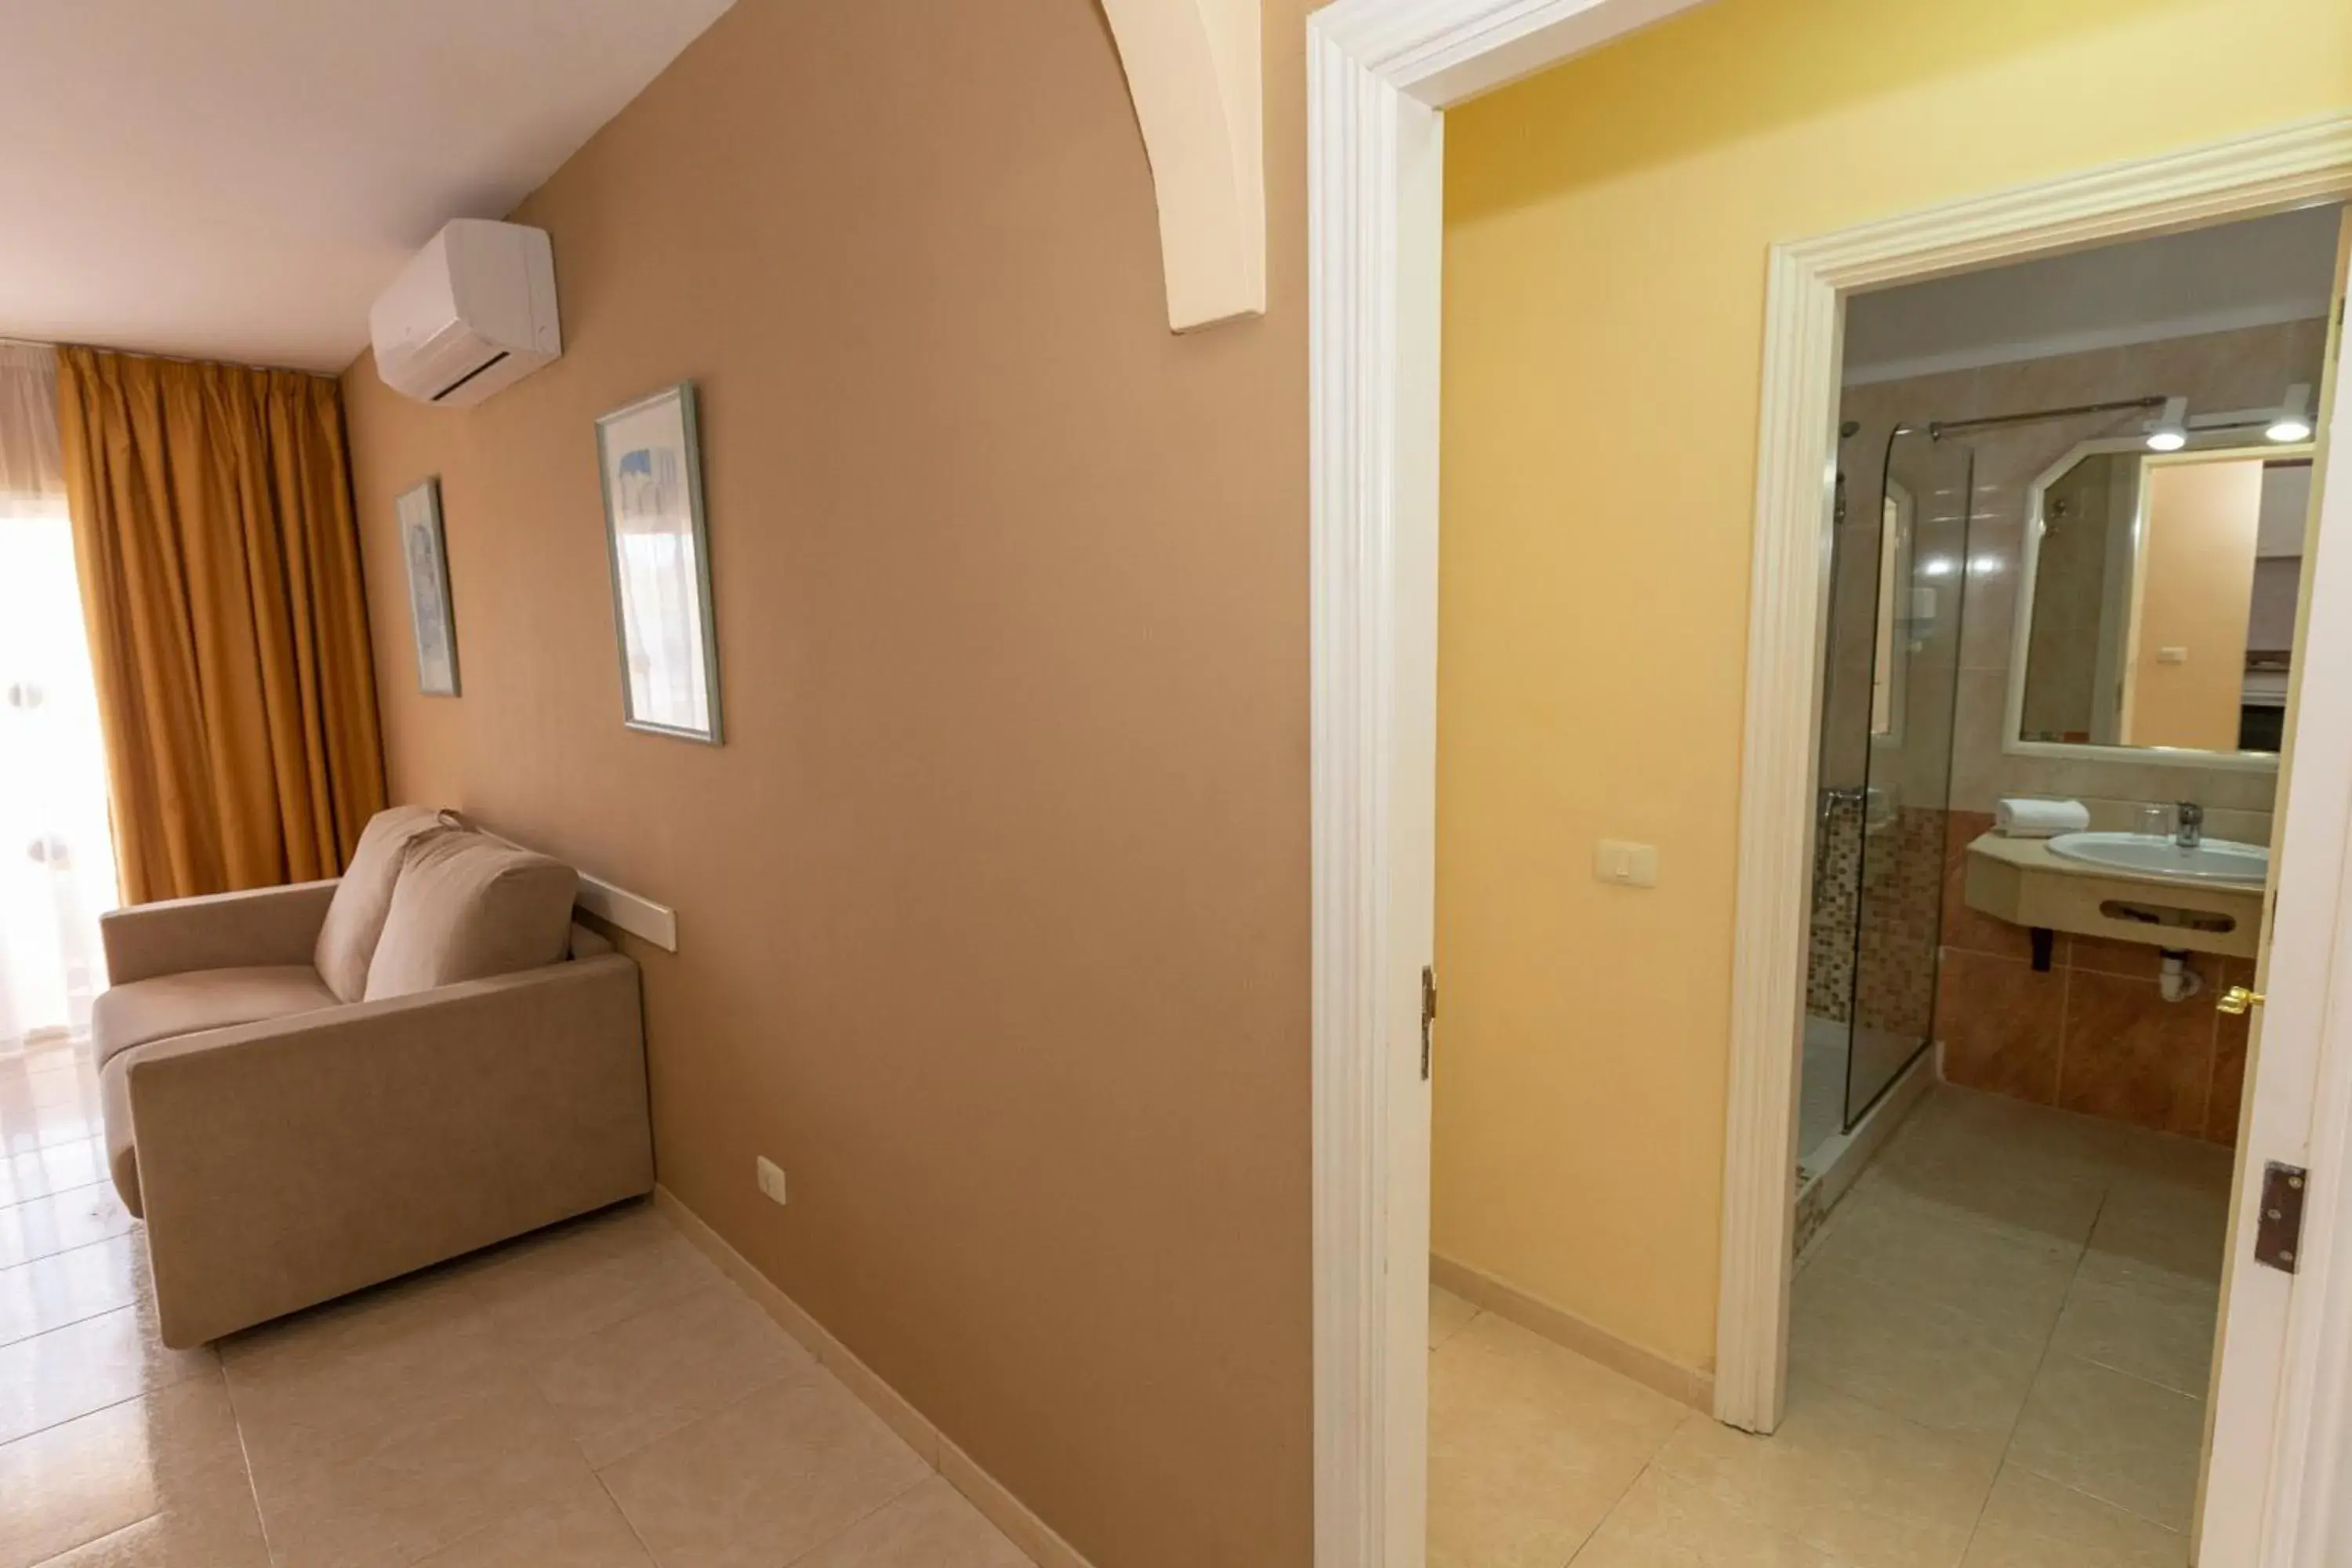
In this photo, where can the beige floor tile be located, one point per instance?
(1449, 1314)
(1868, 1489)
(2141, 1319)
(2123, 1440)
(71, 1081)
(581, 1527)
(2012, 1283)
(75, 1217)
(68, 1287)
(38, 1172)
(2030, 1522)
(38, 1108)
(2181, 1164)
(1517, 1487)
(1664, 1523)
(1530, 1446)
(574, 1278)
(419, 1340)
(2037, 1138)
(1494, 1358)
(175, 1541)
(47, 1126)
(2041, 1132)
(25, 1095)
(370, 1485)
(1904, 1355)
(2035, 1198)
(1920, 1347)
(930, 1527)
(2181, 1228)
(72, 1370)
(392, 1424)
(622, 1386)
(764, 1480)
(157, 1479)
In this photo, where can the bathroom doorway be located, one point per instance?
(2060, 648)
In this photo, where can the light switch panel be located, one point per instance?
(1627, 865)
(2172, 655)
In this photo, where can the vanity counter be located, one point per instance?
(2019, 881)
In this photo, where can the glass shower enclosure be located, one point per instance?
(1898, 576)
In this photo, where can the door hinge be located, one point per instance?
(2278, 1230)
(1428, 1015)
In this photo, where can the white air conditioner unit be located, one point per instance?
(472, 312)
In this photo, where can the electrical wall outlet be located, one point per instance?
(771, 1178)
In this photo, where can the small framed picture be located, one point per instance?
(427, 559)
(652, 465)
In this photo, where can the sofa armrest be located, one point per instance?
(285, 1163)
(219, 931)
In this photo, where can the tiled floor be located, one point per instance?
(597, 1395)
(1997, 1359)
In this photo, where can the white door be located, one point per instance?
(2279, 1385)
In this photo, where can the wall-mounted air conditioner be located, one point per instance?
(472, 312)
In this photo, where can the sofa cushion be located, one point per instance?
(167, 1005)
(121, 1158)
(355, 919)
(467, 907)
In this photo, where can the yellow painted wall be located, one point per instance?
(1606, 230)
(2195, 586)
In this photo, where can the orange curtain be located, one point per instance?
(220, 582)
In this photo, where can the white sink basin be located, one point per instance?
(2215, 861)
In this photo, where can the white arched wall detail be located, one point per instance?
(1193, 68)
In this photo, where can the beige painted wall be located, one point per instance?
(2194, 586)
(992, 910)
(1607, 226)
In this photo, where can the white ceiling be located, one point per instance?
(2254, 273)
(238, 179)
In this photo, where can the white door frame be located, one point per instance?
(1381, 72)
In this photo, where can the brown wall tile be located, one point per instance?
(2002, 1025)
(2134, 959)
(2130, 1055)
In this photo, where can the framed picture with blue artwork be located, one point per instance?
(652, 464)
(425, 556)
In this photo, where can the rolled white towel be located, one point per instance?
(2029, 819)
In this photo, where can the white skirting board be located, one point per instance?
(996, 1503)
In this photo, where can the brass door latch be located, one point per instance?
(2237, 999)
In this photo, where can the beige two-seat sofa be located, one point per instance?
(311, 1089)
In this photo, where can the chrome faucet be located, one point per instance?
(2189, 831)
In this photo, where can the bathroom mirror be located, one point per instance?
(2157, 610)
